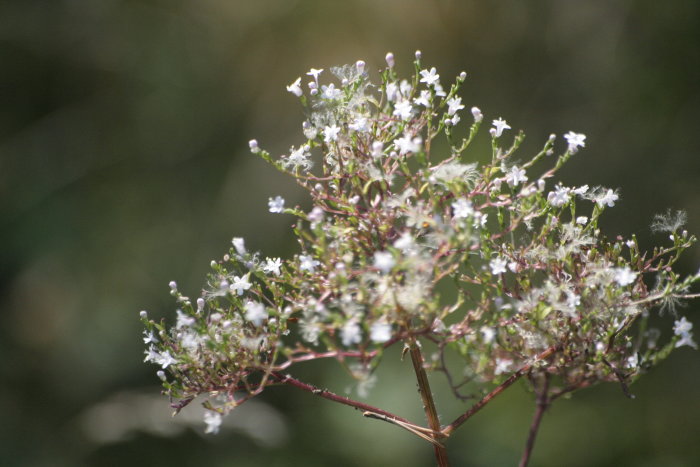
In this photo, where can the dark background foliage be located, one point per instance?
(124, 165)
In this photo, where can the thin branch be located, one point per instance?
(542, 404)
(566, 390)
(496, 391)
(659, 296)
(622, 378)
(450, 381)
(326, 394)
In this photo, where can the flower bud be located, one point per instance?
(476, 113)
(390, 60)
(253, 144)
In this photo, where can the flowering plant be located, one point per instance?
(412, 243)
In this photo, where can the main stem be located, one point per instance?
(428, 402)
(542, 404)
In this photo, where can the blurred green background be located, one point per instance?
(124, 165)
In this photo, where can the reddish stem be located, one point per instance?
(499, 389)
(326, 394)
(542, 404)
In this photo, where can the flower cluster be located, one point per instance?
(413, 238)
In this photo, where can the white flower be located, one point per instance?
(476, 113)
(213, 421)
(405, 87)
(480, 219)
(405, 144)
(380, 332)
(384, 261)
(680, 327)
(360, 66)
(272, 266)
(183, 320)
(498, 266)
(582, 190)
(405, 242)
(165, 359)
(446, 173)
(430, 78)
(423, 99)
(559, 197)
(152, 354)
(150, 338)
(316, 215)
(330, 133)
(625, 276)
(377, 149)
(298, 158)
(515, 176)
(572, 300)
(632, 361)
(330, 92)
(403, 110)
(575, 141)
(360, 124)
(687, 339)
(608, 198)
(307, 263)
(462, 208)
(310, 131)
(502, 366)
(239, 245)
(439, 91)
(392, 91)
(488, 334)
(498, 127)
(351, 333)
(240, 284)
(582, 220)
(276, 204)
(314, 72)
(295, 88)
(255, 312)
(454, 105)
